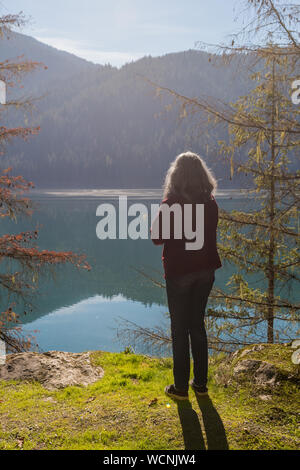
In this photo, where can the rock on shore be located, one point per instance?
(54, 369)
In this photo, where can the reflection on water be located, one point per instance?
(130, 193)
(77, 310)
(92, 323)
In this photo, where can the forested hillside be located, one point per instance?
(102, 126)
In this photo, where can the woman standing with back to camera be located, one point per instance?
(189, 274)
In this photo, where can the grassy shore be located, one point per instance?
(127, 409)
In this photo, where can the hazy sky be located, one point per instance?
(118, 31)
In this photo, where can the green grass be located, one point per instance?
(127, 409)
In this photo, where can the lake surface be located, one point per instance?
(78, 310)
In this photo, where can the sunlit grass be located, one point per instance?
(127, 409)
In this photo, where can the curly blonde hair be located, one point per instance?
(189, 178)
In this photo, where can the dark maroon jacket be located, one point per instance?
(178, 261)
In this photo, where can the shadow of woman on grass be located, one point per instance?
(213, 425)
(191, 427)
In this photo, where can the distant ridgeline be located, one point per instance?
(99, 124)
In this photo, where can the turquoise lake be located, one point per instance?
(75, 310)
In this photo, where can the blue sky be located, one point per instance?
(118, 31)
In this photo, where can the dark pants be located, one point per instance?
(187, 303)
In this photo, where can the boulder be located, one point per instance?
(262, 372)
(257, 347)
(54, 369)
(263, 365)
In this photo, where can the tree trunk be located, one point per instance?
(271, 268)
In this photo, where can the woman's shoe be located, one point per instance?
(172, 392)
(200, 390)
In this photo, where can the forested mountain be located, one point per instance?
(102, 126)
